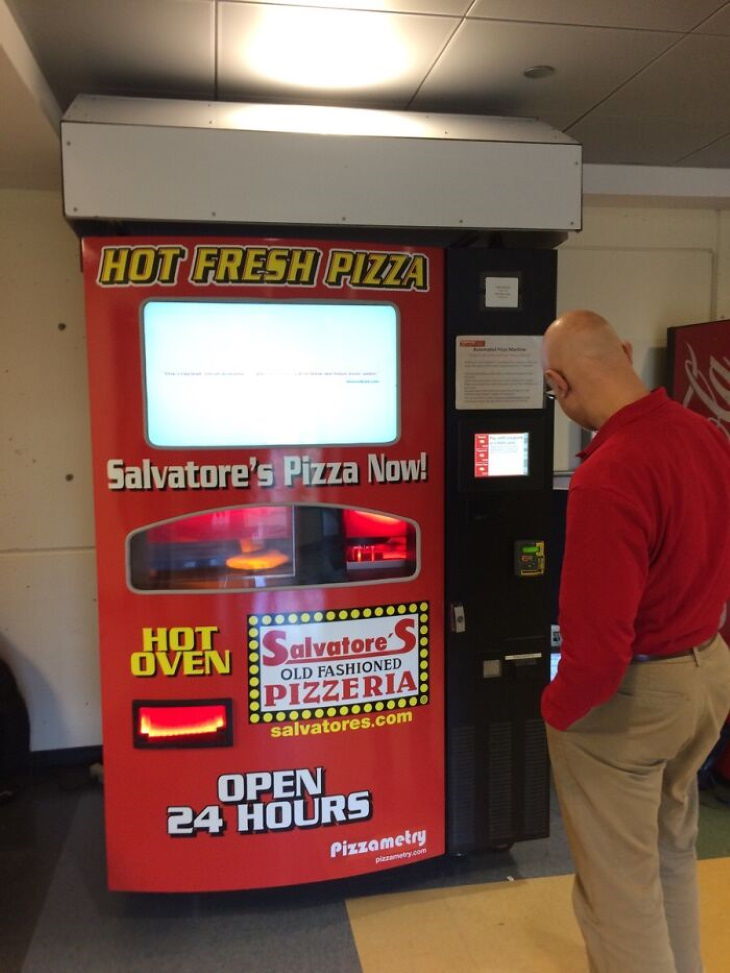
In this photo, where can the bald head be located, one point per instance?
(580, 337)
(589, 368)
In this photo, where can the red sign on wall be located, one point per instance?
(699, 356)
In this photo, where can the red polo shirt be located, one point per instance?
(646, 568)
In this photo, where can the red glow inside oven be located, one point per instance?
(182, 724)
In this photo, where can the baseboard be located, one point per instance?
(65, 757)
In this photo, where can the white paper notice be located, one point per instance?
(499, 372)
(502, 292)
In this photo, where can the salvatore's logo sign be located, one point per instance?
(308, 665)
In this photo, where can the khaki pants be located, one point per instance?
(626, 778)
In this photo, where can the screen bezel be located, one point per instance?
(531, 422)
(274, 302)
(500, 476)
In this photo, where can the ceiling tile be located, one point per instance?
(246, 30)
(634, 140)
(558, 119)
(482, 67)
(715, 156)
(689, 81)
(450, 8)
(719, 24)
(678, 15)
(150, 47)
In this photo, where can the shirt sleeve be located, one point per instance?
(605, 567)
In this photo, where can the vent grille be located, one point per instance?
(499, 770)
(535, 792)
(461, 789)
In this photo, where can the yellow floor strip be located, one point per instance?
(525, 926)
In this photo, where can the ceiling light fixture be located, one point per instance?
(326, 49)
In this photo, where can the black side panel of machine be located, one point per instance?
(498, 643)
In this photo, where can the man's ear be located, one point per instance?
(556, 382)
(628, 350)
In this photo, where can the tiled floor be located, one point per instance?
(498, 913)
(523, 926)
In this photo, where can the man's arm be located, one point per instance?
(605, 567)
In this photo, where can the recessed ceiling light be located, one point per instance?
(326, 49)
(539, 71)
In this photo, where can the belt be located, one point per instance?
(675, 655)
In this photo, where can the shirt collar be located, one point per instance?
(624, 417)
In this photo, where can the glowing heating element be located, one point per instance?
(184, 723)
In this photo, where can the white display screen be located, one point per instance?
(554, 662)
(501, 454)
(270, 373)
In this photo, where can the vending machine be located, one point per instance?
(321, 478)
(268, 448)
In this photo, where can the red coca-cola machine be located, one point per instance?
(268, 472)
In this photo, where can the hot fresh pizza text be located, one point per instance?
(166, 264)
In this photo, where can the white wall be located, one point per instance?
(644, 268)
(48, 627)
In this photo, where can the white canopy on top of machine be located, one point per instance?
(135, 159)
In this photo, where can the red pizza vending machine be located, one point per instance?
(267, 423)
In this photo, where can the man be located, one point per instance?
(643, 685)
